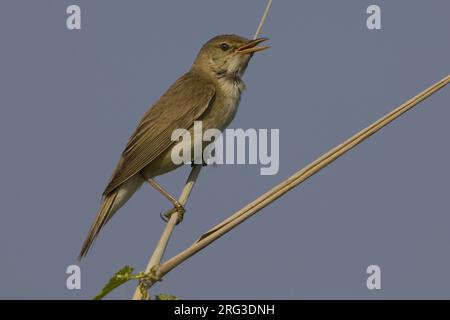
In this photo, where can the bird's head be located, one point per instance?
(227, 55)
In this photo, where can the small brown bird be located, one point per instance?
(210, 92)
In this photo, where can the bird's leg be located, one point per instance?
(177, 207)
(204, 164)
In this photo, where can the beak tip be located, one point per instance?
(251, 46)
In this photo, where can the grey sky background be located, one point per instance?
(69, 100)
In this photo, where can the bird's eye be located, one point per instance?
(224, 46)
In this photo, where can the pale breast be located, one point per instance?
(218, 116)
(225, 108)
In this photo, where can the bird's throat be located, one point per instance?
(232, 78)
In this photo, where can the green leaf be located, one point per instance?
(121, 277)
(166, 297)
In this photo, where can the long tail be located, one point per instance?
(103, 215)
(110, 204)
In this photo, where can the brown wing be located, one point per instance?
(184, 102)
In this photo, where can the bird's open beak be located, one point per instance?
(251, 46)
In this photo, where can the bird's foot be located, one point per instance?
(178, 208)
